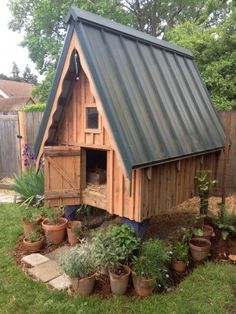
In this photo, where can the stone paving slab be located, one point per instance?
(60, 283)
(35, 259)
(57, 253)
(4, 198)
(46, 271)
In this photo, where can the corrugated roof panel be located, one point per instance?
(156, 99)
(155, 102)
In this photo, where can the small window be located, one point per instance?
(91, 118)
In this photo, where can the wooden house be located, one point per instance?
(128, 121)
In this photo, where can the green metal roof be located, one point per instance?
(154, 99)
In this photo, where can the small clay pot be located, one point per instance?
(33, 247)
(86, 285)
(55, 234)
(30, 226)
(179, 266)
(119, 283)
(143, 287)
(72, 237)
(199, 248)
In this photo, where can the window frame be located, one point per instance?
(91, 130)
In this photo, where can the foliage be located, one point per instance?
(28, 76)
(152, 261)
(185, 234)
(225, 221)
(117, 245)
(34, 236)
(33, 107)
(42, 23)
(214, 49)
(29, 184)
(22, 295)
(15, 71)
(180, 251)
(204, 183)
(53, 216)
(30, 213)
(79, 261)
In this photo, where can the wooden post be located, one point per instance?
(226, 154)
(23, 136)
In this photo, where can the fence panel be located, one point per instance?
(9, 146)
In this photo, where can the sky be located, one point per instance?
(10, 50)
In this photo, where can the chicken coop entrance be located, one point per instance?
(95, 177)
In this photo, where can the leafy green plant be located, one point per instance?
(34, 236)
(225, 221)
(152, 261)
(79, 261)
(30, 213)
(185, 234)
(204, 183)
(180, 251)
(53, 216)
(116, 246)
(29, 184)
(33, 107)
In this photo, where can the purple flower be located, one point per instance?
(26, 162)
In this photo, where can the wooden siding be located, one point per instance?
(168, 185)
(62, 175)
(122, 198)
(72, 130)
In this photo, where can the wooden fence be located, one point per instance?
(15, 131)
(9, 145)
(229, 154)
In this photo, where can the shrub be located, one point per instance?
(180, 252)
(225, 221)
(29, 184)
(79, 261)
(34, 236)
(151, 262)
(33, 107)
(116, 246)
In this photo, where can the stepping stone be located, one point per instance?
(58, 253)
(34, 259)
(60, 283)
(46, 271)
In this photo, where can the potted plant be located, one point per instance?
(225, 222)
(54, 227)
(113, 250)
(179, 256)
(148, 268)
(73, 231)
(199, 248)
(204, 183)
(34, 242)
(79, 265)
(30, 220)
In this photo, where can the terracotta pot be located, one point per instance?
(55, 234)
(72, 237)
(86, 285)
(119, 283)
(30, 226)
(179, 266)
(33, 247)
(143, 287)
(199, 248)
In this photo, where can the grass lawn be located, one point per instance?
(210, 289)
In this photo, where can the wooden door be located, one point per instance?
(62, 175)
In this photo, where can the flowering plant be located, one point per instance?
(29, 157)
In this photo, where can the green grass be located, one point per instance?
(210, 289)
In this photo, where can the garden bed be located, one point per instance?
(164, 227)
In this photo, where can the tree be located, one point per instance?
(42, 21)
(214, 49)
(28, 76)
(15, 72)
